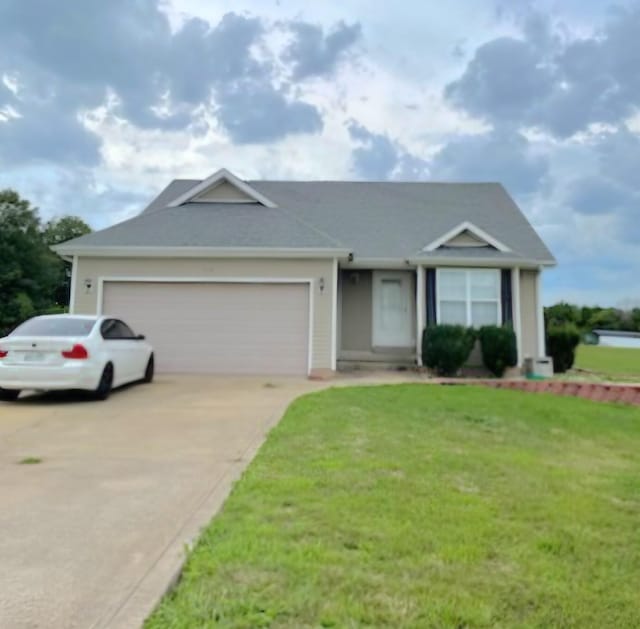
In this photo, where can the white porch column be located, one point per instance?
(420, 311)
(334, 316)
(542, 345)
(72, 280)
(517, 317)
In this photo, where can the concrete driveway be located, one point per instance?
(93, 534)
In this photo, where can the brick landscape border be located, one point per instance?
(623, 393)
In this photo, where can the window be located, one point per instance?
(469, 297)
(115, 329)
(55, 326)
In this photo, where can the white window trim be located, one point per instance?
(473, 229)
(468, 300)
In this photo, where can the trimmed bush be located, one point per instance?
(562, 341)
(445, 348)
(499, 348)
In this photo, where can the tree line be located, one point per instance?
(33, 279)
(587, 318)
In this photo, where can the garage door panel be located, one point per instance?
(230, 328)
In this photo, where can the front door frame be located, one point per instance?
(408, 338)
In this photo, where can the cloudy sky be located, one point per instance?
(102, 103)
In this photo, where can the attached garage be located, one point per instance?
(218, 327)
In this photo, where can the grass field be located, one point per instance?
(426, 506)
(615, 363)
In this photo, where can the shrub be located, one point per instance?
(499, 348)
(445, 348)
(562, 341)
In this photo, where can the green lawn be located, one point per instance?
(426, 506)
(615, 363)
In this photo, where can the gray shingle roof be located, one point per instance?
(381, 220)
(211, 225)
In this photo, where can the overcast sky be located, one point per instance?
(102, 103)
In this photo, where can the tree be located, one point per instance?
(63, 229)
(27, 269)
(57, 231)
(562, 314)
(33, 279)
(607, 319)
(635, 319)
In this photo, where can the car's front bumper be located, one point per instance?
(70, 375)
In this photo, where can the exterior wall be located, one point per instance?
(357, 310)
(619, 341)
(224, 191)
(86, 302)
(529, 314)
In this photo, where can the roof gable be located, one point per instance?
(222, 187)
(466, 235)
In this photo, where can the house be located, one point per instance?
(617, 338)
(289, 277)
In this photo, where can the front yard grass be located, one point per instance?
(613, 363)
(426, 506)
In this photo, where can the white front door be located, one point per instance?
(392, 312)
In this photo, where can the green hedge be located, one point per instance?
(446, 348)
(499, 348)
(562, 341)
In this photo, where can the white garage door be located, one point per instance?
(217, 328)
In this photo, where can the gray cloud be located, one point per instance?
(501, 81)
(47, 133)
(314, 53)
(619, 161)
(254, 112)
(378, 157)
(619, 156)
(554, 82)
(68, 56)
(60, 191)
(501, 155)
(597, 195)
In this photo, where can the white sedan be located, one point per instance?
(55, 352)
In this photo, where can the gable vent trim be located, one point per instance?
(466, 226)
(218, 177)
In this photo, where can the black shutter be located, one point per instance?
(506, 296)
(431, 297)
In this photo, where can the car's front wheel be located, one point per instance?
(9, 395)
(148, 372)
(106, 383)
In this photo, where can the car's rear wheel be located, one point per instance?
(148, 372)
(9, 395)
(106, 383)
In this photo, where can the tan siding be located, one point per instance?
(224, 191)
(208, 268)
(529, 313)
(356, 310)
(466, 239)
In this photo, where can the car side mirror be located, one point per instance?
(141, 337)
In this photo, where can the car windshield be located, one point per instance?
(55, 326)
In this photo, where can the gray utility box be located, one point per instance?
(539, 366)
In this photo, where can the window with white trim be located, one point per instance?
(469, 297)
